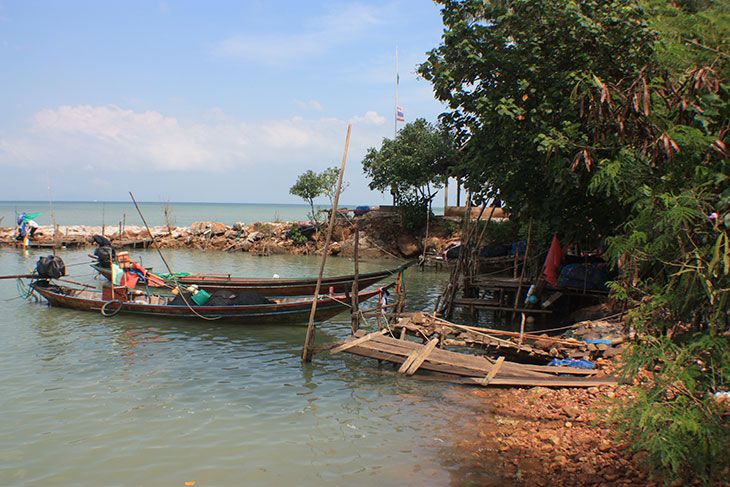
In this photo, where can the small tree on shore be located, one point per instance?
(412, 167)
(311, 185)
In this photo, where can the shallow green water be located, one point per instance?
(88, 400)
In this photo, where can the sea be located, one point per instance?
(183, 214)
(88, 400)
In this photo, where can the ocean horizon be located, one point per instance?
(181, 214)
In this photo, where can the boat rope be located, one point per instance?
(337, 300)
(185, 300)
(25, 291)
(176, 284)
(113, 312)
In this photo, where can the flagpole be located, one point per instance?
(395, 108)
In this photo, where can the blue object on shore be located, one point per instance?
(599, 340)
(361, 210)
(580, 364)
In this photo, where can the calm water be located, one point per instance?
(180, 214)
(88, 400)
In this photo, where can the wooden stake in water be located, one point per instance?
(309, 340)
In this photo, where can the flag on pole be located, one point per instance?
(399, 114)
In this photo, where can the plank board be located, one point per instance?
(417, 357)
(495, 368)
(470, 366)
(352, 343)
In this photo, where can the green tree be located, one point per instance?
(311, 185)
(611, 118)
(507, 71)
(672, 121)
(412, 166)
(329, 177)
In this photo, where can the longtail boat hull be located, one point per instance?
(276, 286)
(287, 311)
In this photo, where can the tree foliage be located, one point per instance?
(311, 185)
(611, 118)
(412, 166)
(507, 71)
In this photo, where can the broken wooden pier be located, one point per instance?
(464, 368)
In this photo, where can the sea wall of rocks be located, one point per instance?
(379, 236)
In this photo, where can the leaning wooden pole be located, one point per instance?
(355, 311)
(309, 340)
(524, 266)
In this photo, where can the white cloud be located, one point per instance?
(320, 35)
(370, 118)
(110, 139)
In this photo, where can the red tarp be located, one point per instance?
(552, 262)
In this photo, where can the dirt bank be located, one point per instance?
(542, 437)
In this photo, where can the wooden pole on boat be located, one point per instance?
(18, 276)
(355, 311)
(154, 242)
(309, 340)
(53, 213)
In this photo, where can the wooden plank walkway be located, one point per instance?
(466, 368)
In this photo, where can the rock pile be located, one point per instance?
(379, 236)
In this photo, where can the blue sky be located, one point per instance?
(220, 101)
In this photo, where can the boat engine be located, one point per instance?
(104, 256)
(50, 267)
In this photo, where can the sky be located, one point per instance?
(215, 101)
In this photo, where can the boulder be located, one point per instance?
(218, 228)
(200, 228)
(408, 245)
(255, 236)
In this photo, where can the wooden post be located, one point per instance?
(522, 330)
(309, 339)
(355, 311)
(524, 266)
(446, 196)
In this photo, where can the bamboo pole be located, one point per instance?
(524, 266)
(154, 242)
(309, 339)
(355, 311)
(18, 276)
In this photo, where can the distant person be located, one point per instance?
(26, 226)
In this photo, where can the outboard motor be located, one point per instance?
(50, 267)
(101, 241)
(104, 253)
(104, 256)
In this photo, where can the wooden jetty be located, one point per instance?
(502, 294)
(464, 368)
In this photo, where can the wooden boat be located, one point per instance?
(113, 300)
(271, 286)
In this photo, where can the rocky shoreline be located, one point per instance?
(380, 235)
